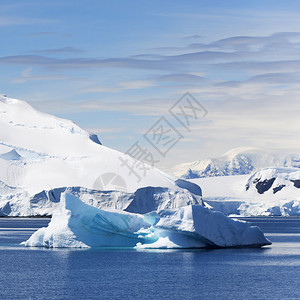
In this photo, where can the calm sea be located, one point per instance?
(34, 273)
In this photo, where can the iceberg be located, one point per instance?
(77, 224)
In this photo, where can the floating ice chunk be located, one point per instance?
(76, 224)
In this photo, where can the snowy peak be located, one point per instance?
(274, 180)
(238, 161)
(26, 128)
(20, 113)
(40, 155)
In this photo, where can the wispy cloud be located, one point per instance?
(103, 130)
(16, 21)
(249, 85)
(44, 33)
(27, 75)
(182, 77)
(63, 50)
(249, 43)
(146, 107)
(192, 37)
(273, 79)
(85, 62)
(120, 86)
(247, 53)
(136, 84)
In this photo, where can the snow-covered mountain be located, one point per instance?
(238, 161)
(273, 191)
(267, 192)
(42, 155)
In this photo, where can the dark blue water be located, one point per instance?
(269, 273)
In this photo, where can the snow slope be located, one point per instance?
(40, 153)
(273, 191)
(238, 161)
(268, 192)
(76, 224)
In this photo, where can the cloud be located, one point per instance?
(16, 21)
(85, 62)
(27, 75)
(146, 107)
(136, 84)
(181, 77)
(273, 79)
(248, 84)
(244, 53)
(99, 89)
(192, 37)
(27, 60)
(249, 42)
(260, 66)
(265, 122)
(119, 87)
(251, 54)
(44, 33)
(103, 130)
(63, 50)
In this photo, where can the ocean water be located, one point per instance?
(272, 272)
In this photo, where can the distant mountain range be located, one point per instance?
(238, 161)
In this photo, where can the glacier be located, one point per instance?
(143, 200)
(76, 224)
(31, 142)
(41, 156)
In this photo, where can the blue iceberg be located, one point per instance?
(76, 224)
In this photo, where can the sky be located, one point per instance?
(116, 68)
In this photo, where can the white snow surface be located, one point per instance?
(76, 224)
(237, 161)
(239, 195)
(273, 191)
(40, 154)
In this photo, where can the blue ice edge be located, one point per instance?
(78, 225)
